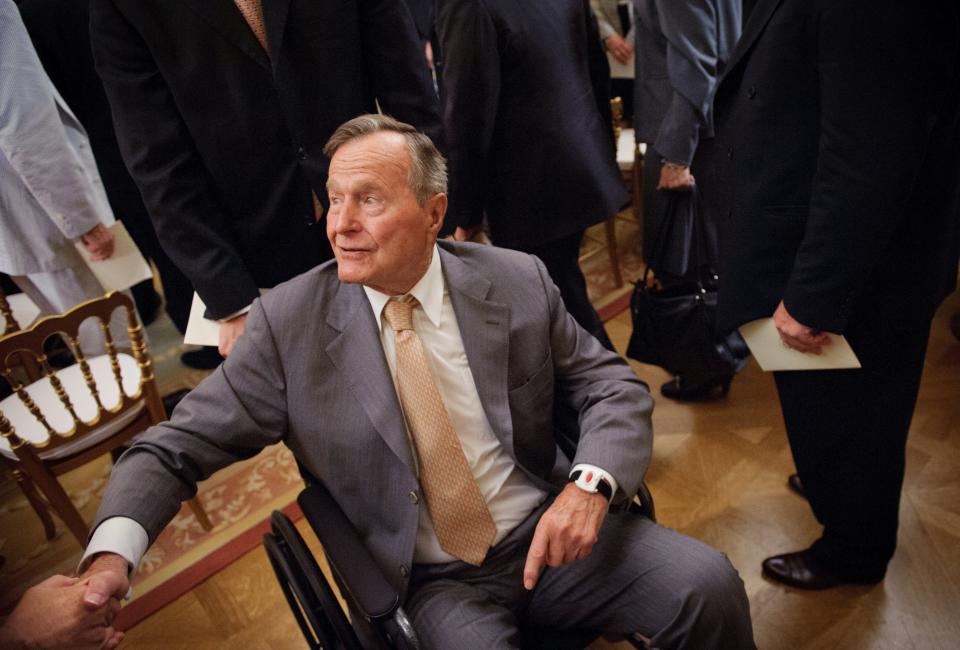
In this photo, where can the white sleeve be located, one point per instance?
(33, 137)
(120, 535)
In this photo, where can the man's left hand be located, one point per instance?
(674, 178)
(99, 242)
(796, 335)
(566, 532)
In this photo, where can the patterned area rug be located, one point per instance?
(238, 499)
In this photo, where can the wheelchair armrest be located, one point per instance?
(369, 591)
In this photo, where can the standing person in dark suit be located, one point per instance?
(222, 110)
(682, 48)
(529, 148)
(60, 33)
(838, 129)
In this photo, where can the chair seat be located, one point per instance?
(625, 149)
(43, 394)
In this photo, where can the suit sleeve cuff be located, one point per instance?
(604, 475)
(119, 535)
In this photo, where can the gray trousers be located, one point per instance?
(640, 577)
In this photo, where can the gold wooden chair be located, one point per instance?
(14, 310)
(71, 416)
(10, 323)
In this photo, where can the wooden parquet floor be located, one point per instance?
(718, 474)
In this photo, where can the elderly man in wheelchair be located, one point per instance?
(424, 386)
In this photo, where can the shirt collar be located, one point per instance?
(428, 291)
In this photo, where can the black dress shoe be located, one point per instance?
(802, 571)
(206, 358)
(683, 389)
(170, 401)
(793, 482)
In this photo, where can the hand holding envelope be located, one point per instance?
(793, 346)
(796, 335)
(123, 268)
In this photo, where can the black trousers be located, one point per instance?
(177, 289)
(562, 259)
(848, 430)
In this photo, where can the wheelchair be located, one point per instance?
(377, 616)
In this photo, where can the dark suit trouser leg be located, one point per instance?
(562, 259)
(640, 577)
(177, 289)
(848, 430)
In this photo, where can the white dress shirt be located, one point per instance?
(509, 493)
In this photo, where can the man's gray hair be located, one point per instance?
(428, 169)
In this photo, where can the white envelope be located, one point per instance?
(200, 330)
(126, 266)
(24, 311)
(764, 342)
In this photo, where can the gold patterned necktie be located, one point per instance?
(252, 11)
(460, 514)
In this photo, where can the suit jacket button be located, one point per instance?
(413, 497)
(730, 153)
(752, 92)
(302, 153)
(403, 571)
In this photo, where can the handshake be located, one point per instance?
(63, 612)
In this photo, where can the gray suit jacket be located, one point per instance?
(310, 372)
(682, 47)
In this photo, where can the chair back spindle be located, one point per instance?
(29, 342)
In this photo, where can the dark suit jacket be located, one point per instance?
(330, 398)
(528, 145)
(838, 142)
(226, 142)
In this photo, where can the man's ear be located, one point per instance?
(437, 209)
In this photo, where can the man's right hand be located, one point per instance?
(619, 47)
(105, 578)
(56, 614)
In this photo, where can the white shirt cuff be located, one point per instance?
(120, 535)
(239, 312)
(604, 474)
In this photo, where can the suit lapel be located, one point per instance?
(358, 355)
(485, 330)
(275, 19)
(224, 17)
(759, 18)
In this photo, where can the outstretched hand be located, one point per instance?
(56, 614)
(105, 579)
(796, 335)
(567, 532)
